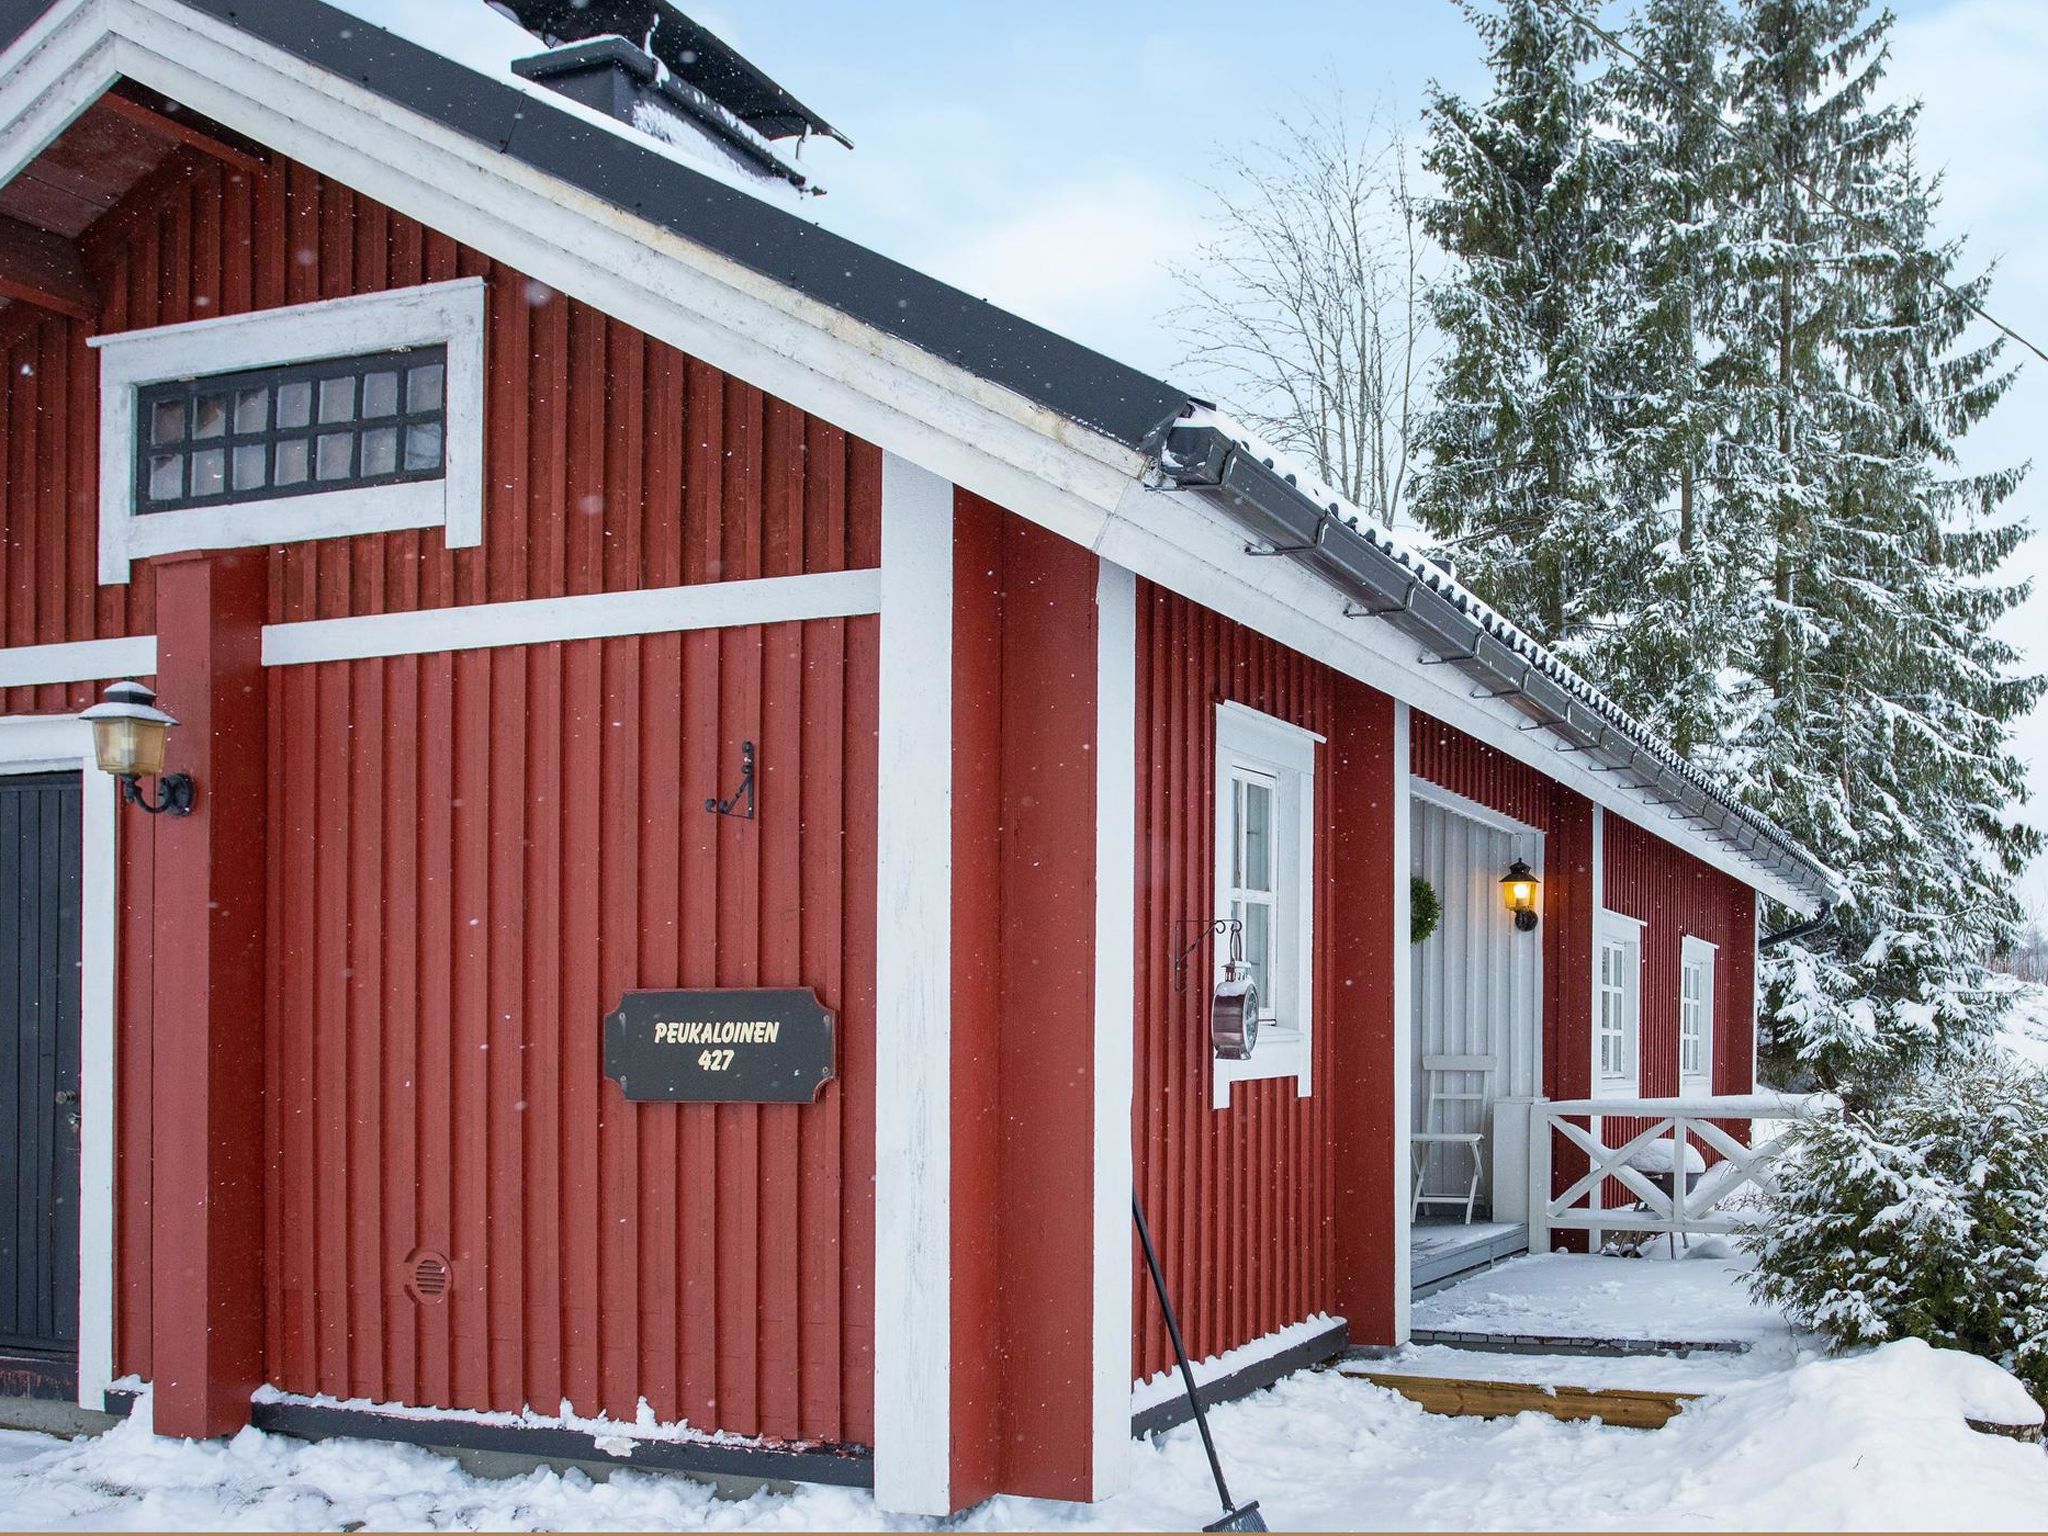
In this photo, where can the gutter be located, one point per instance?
(1382, 580)
(1813, 924)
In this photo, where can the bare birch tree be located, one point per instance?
(1305, 310)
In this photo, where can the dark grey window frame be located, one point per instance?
(188, 391)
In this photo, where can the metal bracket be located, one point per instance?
(1406, 605)
(1503, 693)
(1217, 928)
(1427, 660)
(1322, 528)
(718, 807)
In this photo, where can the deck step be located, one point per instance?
(1459, 1397)
(1575, 1344)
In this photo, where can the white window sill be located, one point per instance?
(1617, 1088)
(1279, 1053)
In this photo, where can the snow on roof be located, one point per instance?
(481, 38)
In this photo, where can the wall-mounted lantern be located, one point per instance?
(129, 734)
(1518, 890)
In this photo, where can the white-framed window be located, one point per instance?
(1617, 1004)
(347, 416)
(1696, 1015)
(1265, 879)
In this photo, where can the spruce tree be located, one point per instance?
(1674, 648)
(1515, 487)
(1881, 738)
(1708, 368)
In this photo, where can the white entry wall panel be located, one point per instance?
(1477, 980)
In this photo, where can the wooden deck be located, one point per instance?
(1442, 1252)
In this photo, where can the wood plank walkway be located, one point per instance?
(1459, 1397)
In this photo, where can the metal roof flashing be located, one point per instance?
(1382, 579)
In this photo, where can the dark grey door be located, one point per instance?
(39, 938)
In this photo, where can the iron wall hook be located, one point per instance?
(718, 807)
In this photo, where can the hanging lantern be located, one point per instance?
(1518, 890)
(1234, 1015)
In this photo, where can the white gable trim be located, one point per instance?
(965, 429)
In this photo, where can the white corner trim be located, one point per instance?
(63, 743)
(913, 998)
(77, 661)
(594, 616)
(447, 314)
(1116, 895)
(1404, 1029)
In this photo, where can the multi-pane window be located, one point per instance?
(1264, 873)
(1616, 1002)
(1696, 1013)
(1613, 1030)
(375, 419)
(1252, 894)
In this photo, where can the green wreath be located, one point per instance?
(1425, 911)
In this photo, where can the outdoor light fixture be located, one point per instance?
(1518, 889)
(128, 737)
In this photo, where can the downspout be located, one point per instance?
(1813, 924)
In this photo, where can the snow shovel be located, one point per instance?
(1234, 1519)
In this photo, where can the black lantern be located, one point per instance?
(1518, 890)
(129, 735)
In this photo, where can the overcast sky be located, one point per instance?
(1053, 157)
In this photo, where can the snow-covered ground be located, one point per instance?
(1785, 1440)
(2025, 1030)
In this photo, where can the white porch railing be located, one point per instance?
(1655, 1175)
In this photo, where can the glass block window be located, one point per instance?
(339, 424)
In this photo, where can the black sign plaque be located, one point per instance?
(741, 1045)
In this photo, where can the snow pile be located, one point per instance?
(1872, 1441)
(1167, 1385)
(472, 34)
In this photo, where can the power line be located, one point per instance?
(1869, 226)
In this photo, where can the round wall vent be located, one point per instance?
(426, 1275)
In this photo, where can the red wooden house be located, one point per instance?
(507, 492)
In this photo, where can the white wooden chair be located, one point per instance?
(1448, 1081)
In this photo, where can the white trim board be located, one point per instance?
(594, 616)
(914, 998)
(976, 434)
(1404, 1030)
(77, 661)
(1471, 810)
(1116, 895)
(449, 314)
(63, 743)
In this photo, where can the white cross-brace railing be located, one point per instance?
(1696, 1119)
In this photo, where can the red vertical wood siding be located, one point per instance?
(1365, 1154)
(1240, 1200)
(475, 856)
(1675, 894)
(414, 852)
(1024, 715)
